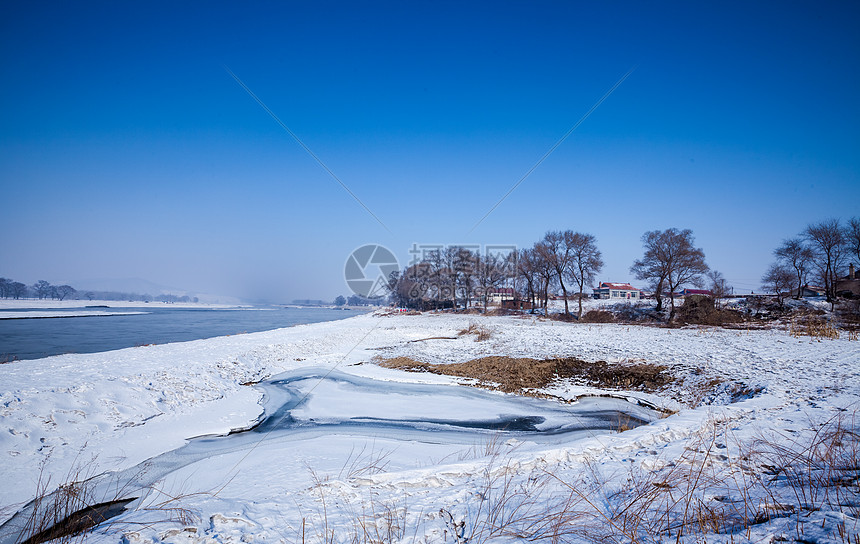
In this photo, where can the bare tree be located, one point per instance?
(527, 269)
(65, 291)
(719, 287)
(489, 274)
(670, 261)
(827, 241)
(585, 261)
(449, 257)
(5, 287)
(557, 253)
(796, 254)
(19, 290)
(852, 237)
(778, 280)
(465, 263)
(42, 289)
(653, 267)
(410, 288)
(438, 276)
(545, 270)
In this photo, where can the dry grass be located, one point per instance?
(63, 513)
(7, 358)
(717, 486)
(701, 310)
(598, 316)
(711, 489)
(364, 462)
(519, 375)
(813, 326)
(67, 513)
(481, 332)
(377, 521)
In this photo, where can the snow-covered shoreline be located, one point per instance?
(51, 304)
(36, 314)
(116, 409)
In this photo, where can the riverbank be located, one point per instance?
(51, 304)
(115, 409)
(41, 314)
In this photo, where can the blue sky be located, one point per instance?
(127, 150)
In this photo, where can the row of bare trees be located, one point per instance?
(41, 290)
(670, 261)
(820, 253)
(568, 260)
(565, 260)
(12, 289)
(451, 276)
(45, 290)
(454, 276)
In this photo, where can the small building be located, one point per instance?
(498, 295)
(809, 291)
(849, 286)
(616, 291)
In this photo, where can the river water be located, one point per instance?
(36, 338)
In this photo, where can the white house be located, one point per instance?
(498, 295)
(616, 291)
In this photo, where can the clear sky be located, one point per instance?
(128, 151)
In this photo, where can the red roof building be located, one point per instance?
(616, 291)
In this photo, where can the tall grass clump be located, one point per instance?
(67, 512)
(813, 326)
(715, 487)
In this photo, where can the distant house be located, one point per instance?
(616, 291)
(809, 291)
(849, 286)
(500, 294)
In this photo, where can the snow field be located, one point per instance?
(128, 405)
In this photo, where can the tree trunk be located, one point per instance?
(546, 298)
(579, 315)
(799, 293)
(564, 294)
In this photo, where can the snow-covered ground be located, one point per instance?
(110, 411)
(35, 314)
(41, 304)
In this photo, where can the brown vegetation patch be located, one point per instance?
(813, 326)
(514, 375)
(700, 310)
(571, 317)
(598, 316)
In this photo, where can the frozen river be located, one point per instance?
(308, 409)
